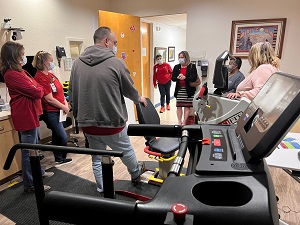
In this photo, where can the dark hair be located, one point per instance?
(10, 56)
(238, 62)
(101, 33)
(39, 59)
(158, 55)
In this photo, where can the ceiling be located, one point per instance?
(177, 20)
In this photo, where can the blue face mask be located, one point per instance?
(51, 66)
(115, 50)
(24, 61)
(160, 61)
(181, 61)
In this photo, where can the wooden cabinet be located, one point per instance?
(8, 138)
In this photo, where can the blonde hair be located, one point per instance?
(186, 56)
(262, 53)
(39, 59)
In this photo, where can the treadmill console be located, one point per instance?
(264, 123)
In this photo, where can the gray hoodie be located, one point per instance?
(98, 83)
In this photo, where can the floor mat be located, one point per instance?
(21, 207)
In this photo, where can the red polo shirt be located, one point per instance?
(45, 81)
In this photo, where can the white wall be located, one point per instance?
(48, 23)
(167, 36)
(209, 24)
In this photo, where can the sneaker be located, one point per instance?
(64, 162)
(48, 174)
(138, 179)
(168, 107)
(31, 190)
(162, 109)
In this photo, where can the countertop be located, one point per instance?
(4, 115)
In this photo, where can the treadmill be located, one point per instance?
(227, 180)
(231, 183)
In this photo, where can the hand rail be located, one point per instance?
(42, 147)
(37, 175)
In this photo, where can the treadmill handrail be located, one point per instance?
(42, 147)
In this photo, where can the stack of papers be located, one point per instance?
(286, 154)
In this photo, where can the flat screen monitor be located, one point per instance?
(220, 79)
(269, 116)
(28, 66)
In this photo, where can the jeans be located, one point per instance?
(30, 137)
(59, 135)
(117, 142)
(164, 90)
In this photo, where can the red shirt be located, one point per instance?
(25, 99)
(162, 73)
(45, 81)
(183, 71)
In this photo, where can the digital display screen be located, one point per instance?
(271, 101)
(270, 115)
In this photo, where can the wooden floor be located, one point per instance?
(286, 188)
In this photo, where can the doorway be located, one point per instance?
(167, 31)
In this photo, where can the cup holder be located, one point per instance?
(222, 193)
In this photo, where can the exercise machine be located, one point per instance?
(161, 149)
(212, 108)
(227, 179)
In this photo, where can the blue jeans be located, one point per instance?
(59, 135)
(164, 90)
(117, 142)
(29, 137)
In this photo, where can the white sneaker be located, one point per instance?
(47, 188)
(48, 174)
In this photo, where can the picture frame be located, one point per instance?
(171, 54)
(245, 33)
(162, 52)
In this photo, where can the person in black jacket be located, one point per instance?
(184, 73)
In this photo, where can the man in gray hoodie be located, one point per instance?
(98, 83)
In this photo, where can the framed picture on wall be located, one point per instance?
(160, 51)
(171, 54)
(245, 33)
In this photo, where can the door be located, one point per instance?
(147, 83)
(127, 30)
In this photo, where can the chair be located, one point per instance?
(161, 149)
(69, 123)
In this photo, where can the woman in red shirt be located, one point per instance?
(25, 103)
(53, 102)
(162, 74)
